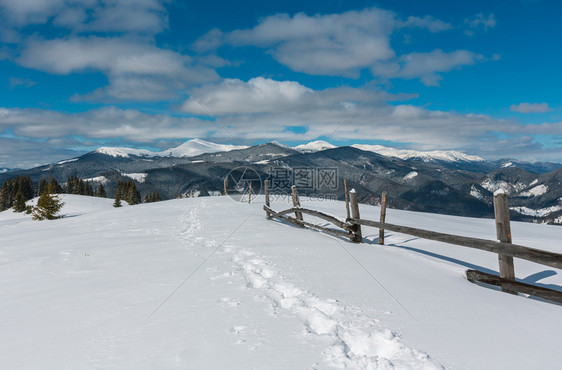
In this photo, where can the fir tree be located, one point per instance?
(19, 202)
(48, 205)
(152, 197)
(52, 183)
(4, 197)
(100, 192)
(117, 202)
(133, 195)
(10, 190)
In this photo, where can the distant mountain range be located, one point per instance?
(437, 181)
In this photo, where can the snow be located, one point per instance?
(138, 177)
(3, 170)
(190, 148)
(196, 147)
(500, 191)
(535, 181)
(536, 191)
(542, 212)
(126, 152)
(209, 283)
(410, 176)
(506, 187)
(474, 192)
(314, 146)
(428, 156)
(100, 179)
(508, 164)
(68, 161)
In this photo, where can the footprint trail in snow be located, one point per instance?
(356, 341)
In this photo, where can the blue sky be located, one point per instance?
(481, 77)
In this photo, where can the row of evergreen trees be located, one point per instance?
(15, 192)
(77, 186)
(127, 191)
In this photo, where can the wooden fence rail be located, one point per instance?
(551, 259)
(505, 250)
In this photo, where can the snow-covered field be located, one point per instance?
(208, 283)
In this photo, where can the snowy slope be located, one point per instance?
(314, 146)
(208, 283)
(190, 148)
(447, 156)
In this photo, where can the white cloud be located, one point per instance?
(334, 44)
(530, 108)
(344, 44)
(428, 22)
(25, 82)
(322, 113)
(134, 66)
(25, 153)
(427, 66)
(479, 22)
(259, 94)
(146, 16)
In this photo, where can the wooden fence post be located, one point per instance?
(296, 201)
(356, 236)
(226, 186)
(503, 232)
(383, 217)
(346, 198)
(250, 193)
(266, 184)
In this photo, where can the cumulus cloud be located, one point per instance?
(259, 94)
(147, 16)
(427, 66)
(530, 108)
(479, 22)
(264, 95)
(25, 82)
(264, 110)
(333, 44)
(115, 37)
(32, 153)
(134, 67)
(344, 44)
(428, 22)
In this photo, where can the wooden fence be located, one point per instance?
(503, 247)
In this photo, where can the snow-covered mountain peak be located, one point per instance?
(196, 147)
(190, 148)
(314, 146)
(429, 156)
(280, 145)
(124, 152)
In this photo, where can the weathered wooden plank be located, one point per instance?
(304, 223)
(514, 286)
(346, 198)
(503, 232)
(383, 217)
(312, 212)
(226, 185)
(357, 234)
(296, 201)
(551, 259)
(250, 193)
(266, 184)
